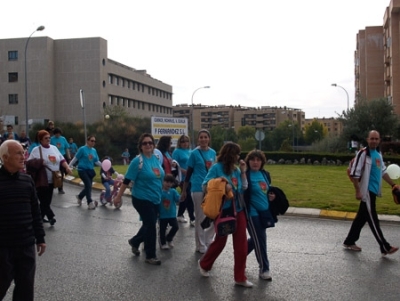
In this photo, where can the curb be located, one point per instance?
(295, 211)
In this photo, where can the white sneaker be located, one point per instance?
(91, 206)
(164, 247)
(171, 244)
(246, 283)
(203, 272)
(78, 200)
(265, 275)
(192, 224)
(181, 219)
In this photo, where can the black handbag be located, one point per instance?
(225, 223)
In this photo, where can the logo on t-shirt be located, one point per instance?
(378, 163)
(90, 157)
(156, 172)
(166, 204)
(52, 159)
(263, 186)
(209, 164)
(235, 182)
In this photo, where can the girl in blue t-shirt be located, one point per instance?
(181, 155)
(200, 161)
(226, 167)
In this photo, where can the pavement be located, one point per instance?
(306, 212)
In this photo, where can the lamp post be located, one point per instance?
(319, 134)
(347, 94)
(193, 143)
(40, 28)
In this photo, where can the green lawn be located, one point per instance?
(321, 187)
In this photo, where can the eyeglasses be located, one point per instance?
(92, 140)
(147, 143)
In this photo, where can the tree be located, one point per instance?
(314, 132)
(370, 115)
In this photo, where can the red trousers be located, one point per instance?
(239, 249)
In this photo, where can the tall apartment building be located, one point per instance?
(262, 118)
(391, 40)
(368, 58)
(56, 72)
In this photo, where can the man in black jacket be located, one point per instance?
(20, 224)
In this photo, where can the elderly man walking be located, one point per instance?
(20, 224)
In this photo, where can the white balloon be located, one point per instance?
(393, 170)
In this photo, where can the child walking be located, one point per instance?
(169, 199)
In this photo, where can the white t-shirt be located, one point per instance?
(52, 159)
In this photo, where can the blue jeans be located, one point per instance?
(148, 212)
(86, 176)
(106, 185)
(258, 242)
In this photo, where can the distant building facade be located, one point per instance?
(58, 69)
(333, 125)
(261, 118)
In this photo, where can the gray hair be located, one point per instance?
(4, 148)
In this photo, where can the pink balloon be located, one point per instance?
(106, 165)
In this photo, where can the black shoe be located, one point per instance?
(52, 221)
(45, 221)
(153, 261)
(134, 249)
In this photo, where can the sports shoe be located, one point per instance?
(203, 272)
(352, 247)
(134, 249)
(61, 192)
(192, 223)
(45, 221)
(170, 244)
(52, 221)
(153, 261)
(391, 251)
(78, 200)
(91, 206)
(246, 283)
(265, 275)
(164, 247)
(181, 219)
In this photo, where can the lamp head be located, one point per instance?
(40, 28)
(206, 87)
(334, 85)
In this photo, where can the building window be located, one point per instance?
(143, 89)
(12, 99)
(142, 105)
(110, 79)
(13, 55)
(12, 77)
(133, 85)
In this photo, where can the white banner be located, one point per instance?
(169, 126)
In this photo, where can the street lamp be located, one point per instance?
(347, 94)
(205, 87)
(319, 134)
(40, 28)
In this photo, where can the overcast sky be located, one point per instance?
(253, 53)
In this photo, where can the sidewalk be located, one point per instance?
(306, 212)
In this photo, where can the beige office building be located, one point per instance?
(56, 72)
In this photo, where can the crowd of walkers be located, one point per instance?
(248, 206)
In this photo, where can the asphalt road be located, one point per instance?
(88, 258)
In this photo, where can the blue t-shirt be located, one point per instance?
(199, 163)
(86, 157)
(147, 180)
(181, 155)
(107, 173)
(376, 172)
(73, 148)
(259, 192)
(169, 199)
(61, 143)
(216, 171)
